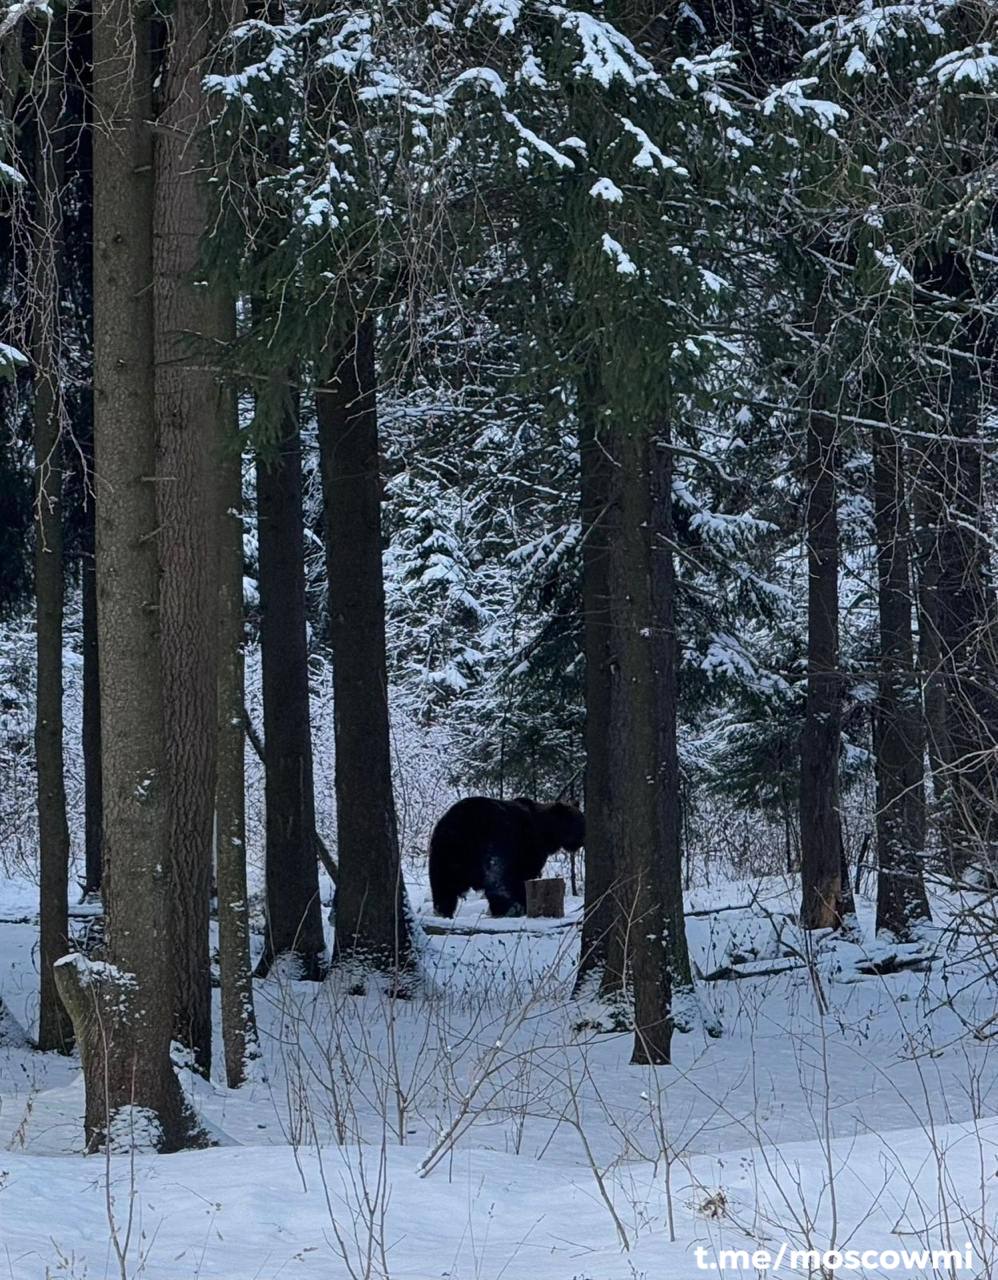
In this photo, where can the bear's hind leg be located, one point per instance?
(442, 888)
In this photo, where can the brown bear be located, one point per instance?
(498, 845)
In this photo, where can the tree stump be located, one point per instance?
(546, 898)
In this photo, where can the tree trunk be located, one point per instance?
(186, 408)
(602, 673)
(644, 844)
(958, 578)
(670, 870)
(54, 1026)
(239, 1034)
(123, 1010)
(373, 927)
(927, 507)
(92, 789)
(901, 897)
(821, 853)
(294, 919)
(967, 633)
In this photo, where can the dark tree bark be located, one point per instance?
(92, 786)
(927, 509)
(123, 1010)
(239, 1035)
(186, 408)
(670, 868)
(821, 850)
(54, 1026)
(373, 927)
(901, 897)
(598, 946)
(967, 636)
(646, 694)
(294, 919)
(957, 588)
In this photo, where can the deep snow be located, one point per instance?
(871, 1125)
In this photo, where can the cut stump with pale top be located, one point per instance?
(546, 898)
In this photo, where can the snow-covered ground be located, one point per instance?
(474, 1132)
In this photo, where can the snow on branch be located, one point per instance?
(21, 10)
(793, 96)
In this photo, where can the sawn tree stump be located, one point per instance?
(546, 898)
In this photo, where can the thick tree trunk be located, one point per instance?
(92, 789)
(901, 897)
(602, 674)
(967, 629)
(123, 1011)
(239, 1034)
(373, 927)
(186, 407)
(960, 606)
(821, 851)
(644, 844)
(294, 919)
(54, 1026)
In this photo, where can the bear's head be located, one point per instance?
(563, 826)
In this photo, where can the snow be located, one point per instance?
(607, 55)
(536, 143)
(615, 250)
(19, 10)
(897, 272)
(649, 155)
(14, 176)
(504, 14)
(977, 65)
(793, 96)
(11, 359)
(544, 1153)
(606, 189)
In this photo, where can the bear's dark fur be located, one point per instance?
(497, 845)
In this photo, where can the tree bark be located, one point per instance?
(373, 926)
(960, 606)
(821, 851)
(294, 919)
(927, 508)
(186, 409)
(598, 945)
(901, 897)
(644, 844)
(123, 1011)
(92, 786)
(54, 1026)
(239, 1034)
(546, 898)
(670, 825)
(967, 631)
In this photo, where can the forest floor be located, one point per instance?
(475, 1133)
